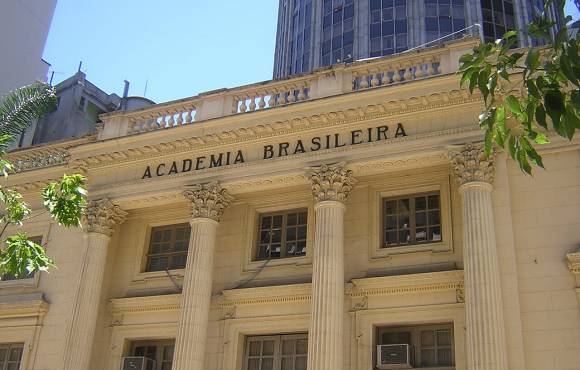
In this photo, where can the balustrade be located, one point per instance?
(395, 72)
(163, 118)
(410, 66)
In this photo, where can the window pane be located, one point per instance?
(287, 363)
(302, 346)
(287, 347)
(300, 363)
(255, 348)
(254, 364)
(444, 357)
(268, 348)
(427, 338)
(443, 338)
(428, 357)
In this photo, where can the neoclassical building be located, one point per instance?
(343, 219)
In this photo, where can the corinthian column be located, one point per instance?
(208, 201)
(330, 187)
(100, 220)
(486, 343)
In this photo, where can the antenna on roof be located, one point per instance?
(125, 94)
(80, 65)
(145, 91)
(51, 77)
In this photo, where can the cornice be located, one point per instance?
(28, 306)
(266, 295)
(45, 155)
(403, 284)
(169, 302)
(244, 134)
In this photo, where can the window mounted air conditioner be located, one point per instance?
(138, 363)
(394, 356)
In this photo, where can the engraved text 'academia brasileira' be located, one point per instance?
(281, 149)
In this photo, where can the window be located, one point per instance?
(411, 220)
(168, 247)
(10, 277)
(388, 27)
(10, 356)
(280, 352)
(300, 36)
(432, 344)
(443, 17)
(498, 17)
(337, 31)
(159, 351)
(282, 234)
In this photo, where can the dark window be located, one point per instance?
(282, 234)
(498, 18)
(431, 345)
(30, 275)
(168, 247)
(277, 352)
(11, 355)
(444, 19)
(411, 220)
(159, 351)
(393, 15)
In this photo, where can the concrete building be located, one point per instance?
(317, 33)
(342, 219)
(24, 26)
(80, 103)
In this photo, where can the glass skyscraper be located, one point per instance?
(318, 33)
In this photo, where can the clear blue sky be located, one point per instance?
(181, 47)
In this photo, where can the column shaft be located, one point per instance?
(486, 343)
(196, 297)
(79, 343)
(325, 338)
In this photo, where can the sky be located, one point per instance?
(168, 49)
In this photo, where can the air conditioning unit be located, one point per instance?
(394, 356)
(138, 363)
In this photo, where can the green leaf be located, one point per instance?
(567, 69)
(22, 106)
(541, 139)
(473, 81)
(465, 58)
(512, 146)
(482, 83)
(66, 199)
(533, 59)
(20, 257)
(554, 105)
(541, 116)
(513, 104)
(466, 76)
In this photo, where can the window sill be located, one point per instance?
(388, 252)
(158, 275)
(281, 262)
(20, 283)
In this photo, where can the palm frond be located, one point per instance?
(20, 107)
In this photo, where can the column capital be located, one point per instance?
(207, 200)
(330, 182)
(101, 216)
(471, 165)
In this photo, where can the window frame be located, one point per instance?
(277, 356)
(251, 219)
(434, 182)
(412, 219)
(415, 333)
(148, 254)
(284, 229)
(7, 361)
(160, 344)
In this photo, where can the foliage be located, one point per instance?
(527, 93)
(64, 199)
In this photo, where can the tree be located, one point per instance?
(528, 93)
(64, 199)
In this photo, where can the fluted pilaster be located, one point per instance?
(331, 186)
(101, 217)
(208, 201)
(485, 335)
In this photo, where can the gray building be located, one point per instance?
(79, 105)
(318, 33)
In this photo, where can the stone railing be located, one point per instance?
(324, 82)
(49, 155)
(405, 67)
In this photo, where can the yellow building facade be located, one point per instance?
(343, 219)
